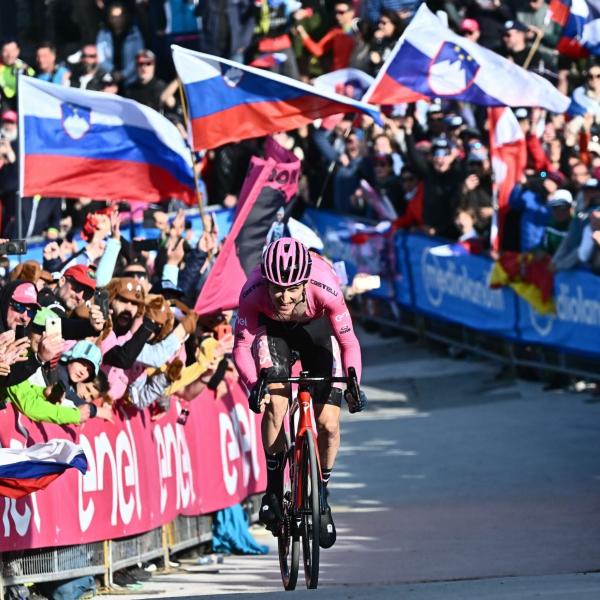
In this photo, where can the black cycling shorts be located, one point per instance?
(315, 345)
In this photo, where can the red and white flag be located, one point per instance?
(509, 158)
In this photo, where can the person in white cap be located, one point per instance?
(560, 204)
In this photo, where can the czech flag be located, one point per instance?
(229, 102)
(82, 143)
(431, 61)
(580, 21)
(27, 470)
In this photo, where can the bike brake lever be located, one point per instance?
(353, 382)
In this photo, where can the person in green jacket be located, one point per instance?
(31, 397)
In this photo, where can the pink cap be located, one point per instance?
(10, 116)
(469, 25)
(25, 293)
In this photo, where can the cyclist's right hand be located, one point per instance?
(255, 403)
(356, 404)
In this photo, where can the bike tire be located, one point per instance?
(288, 541)
(311, 511)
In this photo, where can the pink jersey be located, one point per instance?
(323, 297)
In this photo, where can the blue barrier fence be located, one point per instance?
(454, 287)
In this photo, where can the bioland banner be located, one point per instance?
(430, 276)
(141, 473)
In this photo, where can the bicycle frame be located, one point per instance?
(306, 426)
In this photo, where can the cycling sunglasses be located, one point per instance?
(24, 308)
(78, 288)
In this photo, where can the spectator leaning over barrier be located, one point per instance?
(40, 402)
(47, 69)
(560, 205)
(567, 255)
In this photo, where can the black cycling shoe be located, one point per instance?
(270, 512)
(327, 535)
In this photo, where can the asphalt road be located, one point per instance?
(454, 484)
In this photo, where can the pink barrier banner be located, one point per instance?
(141, 473)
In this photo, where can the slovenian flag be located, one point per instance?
(82, 143)
(27, 470)
(229, 102)
(431, 61)
(580, 22)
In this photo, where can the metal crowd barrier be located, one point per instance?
(104, 558)
(507, 352)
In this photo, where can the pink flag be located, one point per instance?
(268, 188)
(509, 158)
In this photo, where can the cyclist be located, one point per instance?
(292, 303)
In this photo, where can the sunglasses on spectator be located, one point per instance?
(593, 76)
(135, 274)
(145, 63)
(22, 308)
(89, 56)
(79, 288)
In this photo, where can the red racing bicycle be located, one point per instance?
(302, 498)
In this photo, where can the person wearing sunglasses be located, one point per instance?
(76, 287)
(22, 306)
(339, 41)
(87, 73)
(147, 88)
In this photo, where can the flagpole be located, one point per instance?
(20, 154)
(187, 127)
(533, 49)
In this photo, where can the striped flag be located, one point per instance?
(580, 20)
(229, 102)
(82, 143)
(509, 158)
(27, 470)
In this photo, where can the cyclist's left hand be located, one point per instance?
(356, 404)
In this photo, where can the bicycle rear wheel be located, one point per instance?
(311, 511)
(288, 541)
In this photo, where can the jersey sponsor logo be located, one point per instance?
(241, 322)
(323, 286)
(345, 329)
(342, 316)
(251, 289)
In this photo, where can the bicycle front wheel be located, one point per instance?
(311, 511)
(288, 541)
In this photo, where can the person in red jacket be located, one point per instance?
(339, 40)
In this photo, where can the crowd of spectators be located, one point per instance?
(436, 152)
(127, 333)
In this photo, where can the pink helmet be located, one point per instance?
(286, 262)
